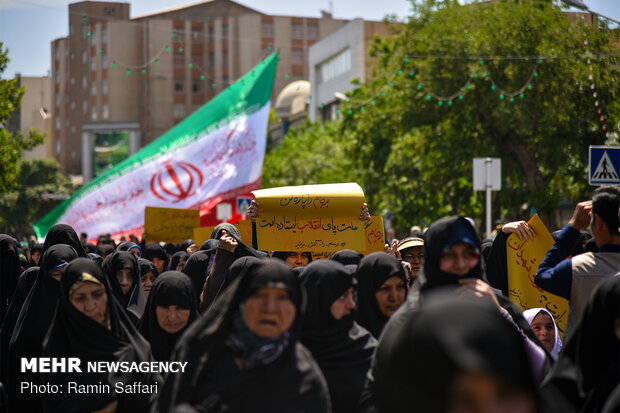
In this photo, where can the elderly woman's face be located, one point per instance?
(269, 312)
(91, 300)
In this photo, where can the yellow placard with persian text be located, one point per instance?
(310, 234)
(201, 234)
(523, 259)
(311, 201)
(170, 224)
(313, 218)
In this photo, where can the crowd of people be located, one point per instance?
(426, 326)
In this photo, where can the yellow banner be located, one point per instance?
(307, 234)
(375, 236)
(169, 224)
(311, 201)
(523, 259)
(201, 234)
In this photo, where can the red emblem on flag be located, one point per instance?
(177, 181)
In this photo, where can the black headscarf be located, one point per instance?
(342, 348)
(135, 299)
(185, 245)
(147, 266)
(154, 250)
(443, 234)
(447, 336)
(105, 249)
(372, 272)
(347, 257)
(588, 368)
(96, 258)
(176, 258)
(9, 271)
(63, 234)
(207, 344)
(127, 246)
(196, 269)
(73, 334)
(170, 288)
(32, 323)
(238, 268)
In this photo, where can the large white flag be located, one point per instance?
(215, 154)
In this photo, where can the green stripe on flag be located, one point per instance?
(244, 97)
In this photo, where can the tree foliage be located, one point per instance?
(11, 143)
(312, 154)
(25, 204)
(510, 79)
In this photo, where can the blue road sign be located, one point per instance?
(604, 165)
(243, 203)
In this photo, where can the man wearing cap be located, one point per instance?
(411, 250)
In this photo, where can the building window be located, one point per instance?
(93, 113)
(178, 86)
(225, 31)
(93, 40)
(84, 57)
(93, 63)
(84, 82)
(72, 129)
(56, 53)
(178, 111)
(266, 29)
(179, 60)
(57, 123)
(108, 11)
(297, 56)
(197, 60)
(313, 31)
(93, 89)
(84, 106)
(71, 29)
(335, 66)
(57, 99)
(196, 87)
(104, 61)
(297, 31)
(196, 36)
(58, 147)
(225, 58)
(211, 32)
(104, 86)
(84, 31)
(104, 35)
(72, 105)
(57, 77)
(72, 56)
(211, 60)
(105, 112)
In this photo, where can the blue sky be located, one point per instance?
(28, 26)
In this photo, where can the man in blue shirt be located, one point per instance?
(575, 278)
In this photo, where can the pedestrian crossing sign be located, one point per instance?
(604, 165)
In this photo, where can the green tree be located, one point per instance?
(509, 79)
(11, 144)
(25, 204)
(311, 154)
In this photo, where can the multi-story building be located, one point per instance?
(34, 112)
(141, 76)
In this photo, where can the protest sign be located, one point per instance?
(170, 224)
(201, 234)
(523, 259)
(315, 218)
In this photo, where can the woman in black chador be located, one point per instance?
(243, 353)
(342, 348)
(123, 272)
(170, 309)
(90, 324)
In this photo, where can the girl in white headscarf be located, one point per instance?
(544, 327)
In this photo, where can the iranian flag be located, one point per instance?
(214, 155)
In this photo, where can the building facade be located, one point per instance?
(152, 71)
